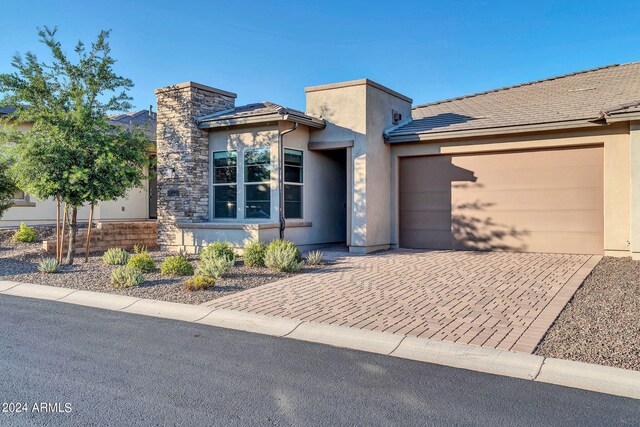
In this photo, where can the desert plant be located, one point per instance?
(115, 256)
(315, 258)
(283, 258)
(139, 249)
(215, 266)
(176, 266)
(143, 262)
(199, 283)
(253, 254)
(25, 234)
(284, 244)
(126, 277)
(218, 250)
(49, 265)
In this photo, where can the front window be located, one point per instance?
(225, 195)
(19, 195)
(293, 183)
(257, 178)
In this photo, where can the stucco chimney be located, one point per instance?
(183, 154)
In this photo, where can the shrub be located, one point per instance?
(126, 277)
(139, 249)
(253, 254)
(115, 256)
(218, 250)
(199, 283)
(284, 244)
(25, 234)
(143, 262)
(215, 267)
(176, 266)
(283, 258)
(315, 258)
(49, 265)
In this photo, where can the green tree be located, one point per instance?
(7, 186)
(72, 152)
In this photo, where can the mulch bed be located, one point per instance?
(601, 324)
(18, 262)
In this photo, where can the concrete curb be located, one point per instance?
(341, 336)
(473, 358)
(603, 379)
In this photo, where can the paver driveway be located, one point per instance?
(503, 300)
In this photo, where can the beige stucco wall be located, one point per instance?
(360, 111)
(134, 206)
(634, 164)
(324, 217)
(617, 189)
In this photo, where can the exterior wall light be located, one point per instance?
(170, 173)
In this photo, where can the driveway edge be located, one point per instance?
(603, 379)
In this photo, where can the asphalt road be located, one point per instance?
(120, 369)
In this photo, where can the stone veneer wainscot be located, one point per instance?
(184, 148)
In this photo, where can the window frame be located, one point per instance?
(223, 184)
(298, 184)
(266, 182)
(24, 201)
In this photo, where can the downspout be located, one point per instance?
(281, 176)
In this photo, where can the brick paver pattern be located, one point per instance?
(484, 298)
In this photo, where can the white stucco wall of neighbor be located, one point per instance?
(133, 207)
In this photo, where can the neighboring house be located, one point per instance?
(139, 204)
(547, 166)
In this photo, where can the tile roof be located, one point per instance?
(144, 118)
(587, 95)
(256, 110)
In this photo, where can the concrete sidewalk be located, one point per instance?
(494, 361)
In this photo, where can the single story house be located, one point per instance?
(547, 166)
(139, 204)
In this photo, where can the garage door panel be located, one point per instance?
(539, 201)
(427, 220)
(544, 200)
(529, 222)
(518, 160)
(426, 200)
(435, 239)
(574, 243)
(536, 178)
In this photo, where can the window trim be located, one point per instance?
(300, 184)
(222, 184)
(22, 202)
(245, 183)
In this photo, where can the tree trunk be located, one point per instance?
(58, 228)
(73, 232)
(64, 224)
(88, 247)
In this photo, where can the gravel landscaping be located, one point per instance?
(18, 262)
(601, 324)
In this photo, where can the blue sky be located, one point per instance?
(265, 50)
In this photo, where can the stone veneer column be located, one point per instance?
(185, 148)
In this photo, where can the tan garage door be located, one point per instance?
(534, 201)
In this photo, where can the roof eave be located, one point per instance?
(623, 117)
(313, 122)
(264, 118)
(417, 137)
